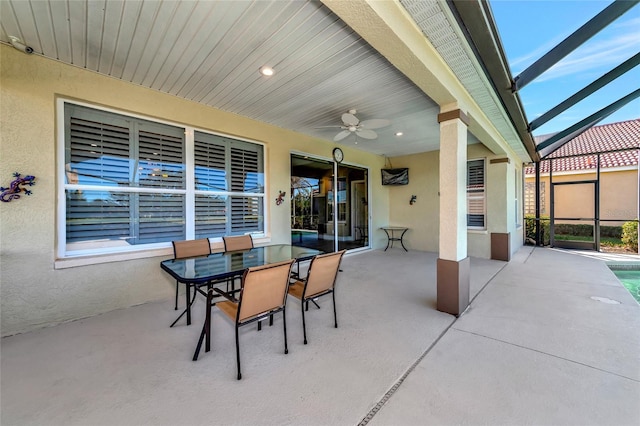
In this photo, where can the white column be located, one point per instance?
(453, 263)
(500, 190)
(453, 190)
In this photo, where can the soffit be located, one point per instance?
(210, 52)
(393, 29)
(438, 24)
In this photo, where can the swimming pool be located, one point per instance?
(630, 278)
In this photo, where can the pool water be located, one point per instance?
(631, 280)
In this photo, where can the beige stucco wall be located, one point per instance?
(39, 290)
(35, 293)
(618, 194)
(423, 217)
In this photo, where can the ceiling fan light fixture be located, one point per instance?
(399, 133)
(363, 129)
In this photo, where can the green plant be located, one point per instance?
(630, 235)
(586, 230)
(530, 228)
(611, 231)
(611, 242)
(580, 230)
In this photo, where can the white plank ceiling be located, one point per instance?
(211, 52)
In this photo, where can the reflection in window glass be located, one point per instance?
(126, 183)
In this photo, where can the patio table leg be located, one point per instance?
(391, 237)
(388, 239)
(199, 345)
(188, 302)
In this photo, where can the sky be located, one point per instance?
(530, 28)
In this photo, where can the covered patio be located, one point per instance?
(549, 338)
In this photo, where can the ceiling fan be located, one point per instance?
(364, 129)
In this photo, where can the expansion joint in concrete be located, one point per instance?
(402, 378)
(545, 353)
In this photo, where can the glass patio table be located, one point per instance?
(198, 271)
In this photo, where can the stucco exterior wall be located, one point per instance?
(503, 215)
(35, 293)
(423, 217)
(618, 194)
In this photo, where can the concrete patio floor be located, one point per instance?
(550, 338)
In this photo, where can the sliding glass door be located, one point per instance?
(313, 188)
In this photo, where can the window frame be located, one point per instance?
(66, 258)
(483, 197)
(342, 205)
(519, 211)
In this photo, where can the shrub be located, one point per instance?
(611, 231)
(580, 230)
(530, 229)
(630, 235)
(586, 230)
(576, 230)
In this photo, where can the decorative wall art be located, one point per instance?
(16, 187)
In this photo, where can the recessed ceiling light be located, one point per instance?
(266, 71)
(399, 133)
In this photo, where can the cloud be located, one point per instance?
(610, 52)
(633, 23)
(601, 55)
(521, 63)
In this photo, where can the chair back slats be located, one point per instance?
(264, 288)
(191, 248)
(240, 242)
(322, 273)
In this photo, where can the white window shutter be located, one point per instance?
(476, 194)
(126, 183)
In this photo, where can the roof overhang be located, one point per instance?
(476, 20)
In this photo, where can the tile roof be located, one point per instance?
(598, 139)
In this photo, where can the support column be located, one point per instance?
(453, 263)
(500, 198)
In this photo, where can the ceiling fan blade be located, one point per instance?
(366, 134)
(329, 127)
(375, 123)
(343, 134)
(350, 119)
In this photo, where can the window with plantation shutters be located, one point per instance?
(246, 177)
(127, 182)
(114, 167)
(476, 194)
(229, 186)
